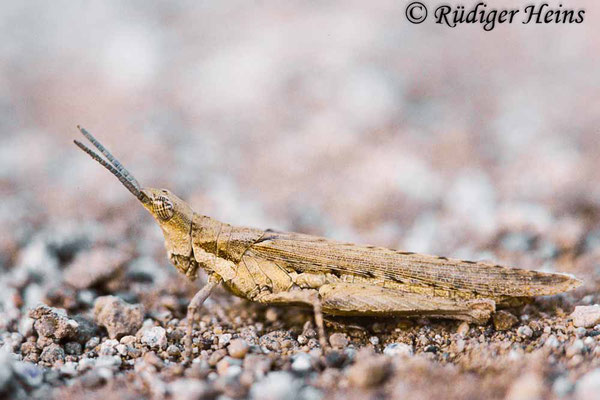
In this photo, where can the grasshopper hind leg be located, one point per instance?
(356, 300)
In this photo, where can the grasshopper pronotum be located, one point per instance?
(332, 277)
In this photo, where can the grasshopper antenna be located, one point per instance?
(116, 168)
(109, 156)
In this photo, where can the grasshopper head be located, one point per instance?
(174, 217)
(172, 214)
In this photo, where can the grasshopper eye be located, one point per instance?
(163, 207)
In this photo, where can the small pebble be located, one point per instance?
(128, 340)
(301, 363)
(188, 389)
(334, 359)
(302, 340)
(108, 347)
(586, 316)
(271, 315)
(225, 363)
(503, 320)
(398, 350)
(257, 364)
(73, 348)
(338, 340)
(173, 351)
(276, 385)
(233, 371)
(121, 349)
(224, 339)
(525, 331)
(92, 343)
(53, 323)
(215, 357)
(368, 372)
(110, 362)
(431, 349)
(53, 354)
(118, 317)
(155, 337)
(238, 348)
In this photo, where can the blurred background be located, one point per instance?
(333, 118)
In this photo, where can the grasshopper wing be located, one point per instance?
(306, 253)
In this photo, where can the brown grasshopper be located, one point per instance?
(336, 278)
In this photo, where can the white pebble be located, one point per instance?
(586, 316)
(224, 339)
(398, 350)
(525, 331)
(155, 337)
(108, 362)
(121, 349)
(108, 347)
(275, 386)
(301, 363)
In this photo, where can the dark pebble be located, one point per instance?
(53, 354)
(334, 359)
(431, 349)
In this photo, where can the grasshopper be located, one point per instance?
(332, 277)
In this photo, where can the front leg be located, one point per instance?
(303, 296)
(193, 308)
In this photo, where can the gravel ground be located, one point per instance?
(326, 118)
(118, 328)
